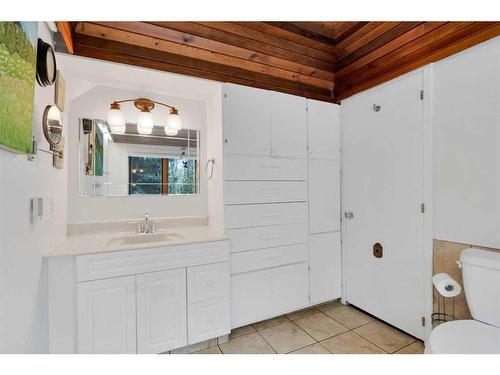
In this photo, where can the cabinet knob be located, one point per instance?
(210, 283)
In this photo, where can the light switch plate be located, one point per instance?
(36, 207)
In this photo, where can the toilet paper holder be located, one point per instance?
(447, 289)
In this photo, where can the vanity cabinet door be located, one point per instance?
(107, 316)
(161, 311)
(245, 116)
(288, 126)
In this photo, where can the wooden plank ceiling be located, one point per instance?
(329, 61)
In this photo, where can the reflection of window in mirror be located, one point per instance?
(155, 175)
(134, 164)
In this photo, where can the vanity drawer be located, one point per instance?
(130, 262)
(254, 215)
(241, 192)
(208, 319)
(207, 282)
(267, 258)
(264, 168)
(264, 237)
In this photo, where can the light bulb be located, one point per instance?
(174, 120)
(169, 131)
(116, 119)
(145, 122)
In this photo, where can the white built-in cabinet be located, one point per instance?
(139, 301)
(261, 122)
(324, 201)
(281, 188)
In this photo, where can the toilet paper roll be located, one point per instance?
(445, 285)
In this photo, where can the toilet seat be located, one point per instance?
(464, 337)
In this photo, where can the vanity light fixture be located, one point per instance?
(145, 121)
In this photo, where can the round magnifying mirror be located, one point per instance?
(52, 124)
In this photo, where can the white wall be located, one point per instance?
(108, 82)
(467, 146)
(23, 271)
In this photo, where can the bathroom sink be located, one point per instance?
(140, 238)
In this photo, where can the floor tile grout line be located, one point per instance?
(417, 340)
(267, 342)
(367, 339)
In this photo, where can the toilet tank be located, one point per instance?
(481, 273)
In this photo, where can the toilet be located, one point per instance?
(481, 335)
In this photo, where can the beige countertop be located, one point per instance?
(101, 242)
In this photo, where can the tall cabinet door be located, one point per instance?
(161, 311)
(324, 130)
(324, 196)
(107, 316)
(246, 120)
(325, 267)
(288, 126)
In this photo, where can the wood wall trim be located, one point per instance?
(66, 31)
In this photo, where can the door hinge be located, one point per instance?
(421, 94)
(423, 321)
(422, 207)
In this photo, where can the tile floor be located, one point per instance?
(324, 329)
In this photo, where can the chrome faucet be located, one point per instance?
(147, 226)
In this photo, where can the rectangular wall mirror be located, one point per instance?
(135, 164)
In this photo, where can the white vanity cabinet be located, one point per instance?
(107, 316)
(139, 301)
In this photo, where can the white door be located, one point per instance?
(288, 126)
(382, 185)
(323, 123)
(106, 316)
(325, 265)
(161, 311)
(324, 196)
(246, 120)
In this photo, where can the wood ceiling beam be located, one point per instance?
(303, 29)
(387, 46)
(139, 56)
(379, 42)
(461, 45)
(157, 44)
(435, 40)
(289, 38)
(162, 31)
(236, 36)
(66, 31)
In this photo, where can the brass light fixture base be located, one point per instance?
(144, 104)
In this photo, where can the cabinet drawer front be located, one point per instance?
(264, 168)
(208, 319)
(263, 237)
(208, 282)
(290, 287)
(255, 215)
(267, 258)
(119, 263)
(241, 192)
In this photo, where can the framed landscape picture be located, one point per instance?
(18, 41)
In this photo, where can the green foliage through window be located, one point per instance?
(147, 176)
